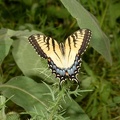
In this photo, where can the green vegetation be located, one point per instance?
(28, 88)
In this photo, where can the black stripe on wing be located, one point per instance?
(85, 42)
(34, 41)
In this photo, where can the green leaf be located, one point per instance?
(27, 93)
(2, 108)
(105, 91)
(116, 99)
(28, 60)
(100, 41)
(104, 113)
(12, 116)
(36, 99)
(114, 13)
(74, 111)
(5, 43)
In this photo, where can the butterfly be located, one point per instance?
(64, 59)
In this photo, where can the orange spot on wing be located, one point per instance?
(66, 73)
(49, 59)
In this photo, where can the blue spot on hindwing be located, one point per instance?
(74, 67)
(54, 67)
(61, 72)
(69, 71)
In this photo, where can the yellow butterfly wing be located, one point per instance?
(76, 44)
(63, 58)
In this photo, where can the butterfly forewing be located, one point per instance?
(86, 39)
(47, 47)
(76, 44)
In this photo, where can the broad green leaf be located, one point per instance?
(28, 60)
(37, 100)
(100, 41)
(27, 93)
(74, 111)
(5, 43)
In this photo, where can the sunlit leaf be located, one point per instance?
(26, 93)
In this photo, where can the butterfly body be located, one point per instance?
(64, 59)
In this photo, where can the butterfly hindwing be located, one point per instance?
(65, 58)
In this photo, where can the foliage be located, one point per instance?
(28, 88)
